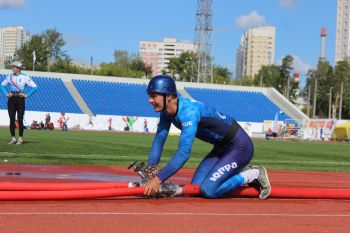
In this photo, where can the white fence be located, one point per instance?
(118, 123)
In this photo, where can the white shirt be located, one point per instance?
(20, 80)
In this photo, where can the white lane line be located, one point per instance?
(176, 214)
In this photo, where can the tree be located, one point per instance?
(309, 88)
(244, 81)
(342, 75)
(48, 48)
(268, 76)
(25, 53)
(125, 65)
(285, 78)
(221, 75)
(325, 79)
(53, 42)
(137, 65)
(183, 67)
(64, 65)
(121, 57)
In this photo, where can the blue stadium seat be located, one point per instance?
(242, 105)
(110, 98)
(52, 96)
(131, 99)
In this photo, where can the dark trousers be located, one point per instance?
(16, 104)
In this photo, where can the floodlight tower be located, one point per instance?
(203, 31)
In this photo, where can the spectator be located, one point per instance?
(34, 125)
(42, 125)
(62, 121)
(110, 123)
(322, 134)
(90, 121)
(47, 121)
(145, 126)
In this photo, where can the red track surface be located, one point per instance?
(175, 214)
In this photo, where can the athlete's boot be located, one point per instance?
(169, 190)
(262, 182)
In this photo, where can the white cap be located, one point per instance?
(17, 64)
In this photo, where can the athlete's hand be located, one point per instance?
(9, 94)
(22, 94)
(152, 186)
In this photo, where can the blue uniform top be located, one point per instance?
(194, 119)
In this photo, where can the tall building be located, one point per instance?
(257, 48)
(157, 54)
(342, 43)
(11, 39)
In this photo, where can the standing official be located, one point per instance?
(14, 87)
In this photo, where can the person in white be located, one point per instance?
(14, 87)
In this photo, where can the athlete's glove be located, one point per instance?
(146, 172)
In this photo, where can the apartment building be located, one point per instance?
(157, 53)
(11, 39)
(257, 48)
(342, 42)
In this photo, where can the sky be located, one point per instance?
(98, 28)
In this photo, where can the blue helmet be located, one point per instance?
(162, 84)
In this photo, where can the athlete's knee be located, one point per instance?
(209, 191)
(197, 180)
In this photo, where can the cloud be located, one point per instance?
(12, 3)
(251, 20)
(288, 4)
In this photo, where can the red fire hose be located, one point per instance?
(60, 191)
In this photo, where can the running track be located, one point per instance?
(183, 214)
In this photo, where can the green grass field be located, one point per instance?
(107, 148)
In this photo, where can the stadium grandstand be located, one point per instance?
(110, 99)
